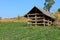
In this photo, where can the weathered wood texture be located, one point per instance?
(36, 17)
(38, 20)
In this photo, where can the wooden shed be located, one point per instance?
(37, 16)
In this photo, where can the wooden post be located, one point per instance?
(35, 20)
(44, 22)
(51, 22)
(48, 22)
(28, 23)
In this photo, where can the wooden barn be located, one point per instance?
(37, 16)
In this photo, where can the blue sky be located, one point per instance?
(13, 8)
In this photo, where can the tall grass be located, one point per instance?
(20, 31)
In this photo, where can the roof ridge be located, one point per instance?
(45, 12)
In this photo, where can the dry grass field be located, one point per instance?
(22, 19)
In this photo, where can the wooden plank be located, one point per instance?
(36, 17)
(36, 20)
(36, 23)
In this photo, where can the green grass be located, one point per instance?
(19, 31)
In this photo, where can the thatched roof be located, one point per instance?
(43, 11)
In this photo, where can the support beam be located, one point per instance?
(28, 23)
(44, 22)
(35, 20)
(48, 23)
